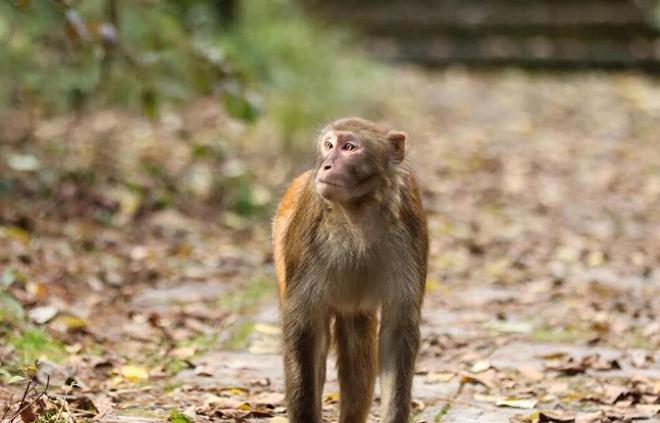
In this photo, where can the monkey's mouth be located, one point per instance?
(325, 181)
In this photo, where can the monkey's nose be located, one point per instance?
(327, 167)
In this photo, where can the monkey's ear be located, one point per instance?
(397, 143)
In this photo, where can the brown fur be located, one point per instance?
(348, 260)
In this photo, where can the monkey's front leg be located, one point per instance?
(305, 348)
(398, 345)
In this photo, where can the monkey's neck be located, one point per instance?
(367, 214)
(377, 208)
(356, 214)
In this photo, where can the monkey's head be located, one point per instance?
(356, 157)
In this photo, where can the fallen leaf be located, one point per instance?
(440, 377)
(183, 353)
(242, 413)
(68, 324)
(526, 403)
(235, 390)
(557, 387)
(509, 326)
(613, 393)
(39, 291)
(43, 314)
(27, 414)
(224, 403)
(133, 373)
(23, 162)
(641, 359)
(480, 366)
(648, 410)
(554, 355)
(418, 405)
(594, 417)
(267, 329)
(554, 417)
(597, 362)
(19, 234)
(269, 399)
(487, 398)
(571, 366)
(531, 373)
(543, 417)
(84, 405)
(487, 378)
(331, 398)
(205, 370)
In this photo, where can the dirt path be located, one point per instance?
(543, 294)
(543, 195)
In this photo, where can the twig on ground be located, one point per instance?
(7, 408)
(38, 396)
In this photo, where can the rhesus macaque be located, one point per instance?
(350, 239)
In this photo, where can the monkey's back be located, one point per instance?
(282, 220)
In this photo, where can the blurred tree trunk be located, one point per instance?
(112, 12)
(227, 10)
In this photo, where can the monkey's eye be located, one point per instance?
(327, 145)
(349, 147)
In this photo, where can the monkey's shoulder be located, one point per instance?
(298, 209)
(295, 195)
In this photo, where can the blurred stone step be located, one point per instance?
(480, 14)
(534, 51)
(531, 33)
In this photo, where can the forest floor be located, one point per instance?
(543, 295)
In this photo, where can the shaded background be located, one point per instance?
(144, 144)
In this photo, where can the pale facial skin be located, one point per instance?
(338, 176)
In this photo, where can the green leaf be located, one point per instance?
(240, 107)
(10, 308)
(177, 417)
(150, 103)
(8, 277)
(15, 379)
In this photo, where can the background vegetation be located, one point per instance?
(111, 111)
(268, 72)
(61, 56)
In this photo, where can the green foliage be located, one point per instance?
(308, 73)
(53, 415)
(177, 417)
(11, 309)
(32, 343)
(239, 337)
(244, 299)
(60, 57)
(29, 343)
(145, 54)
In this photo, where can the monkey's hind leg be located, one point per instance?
(305, 345)
(356, 361)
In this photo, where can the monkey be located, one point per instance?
(350, 240)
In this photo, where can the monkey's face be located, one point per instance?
(349, 165)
